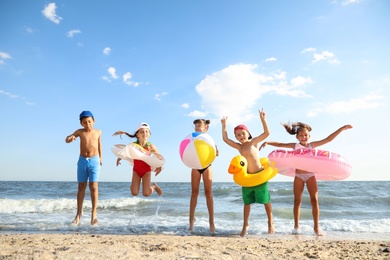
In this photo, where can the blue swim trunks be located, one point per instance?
(88, 168)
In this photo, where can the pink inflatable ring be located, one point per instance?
(326, 165)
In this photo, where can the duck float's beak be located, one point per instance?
(236, 165)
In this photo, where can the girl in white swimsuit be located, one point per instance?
(302, 133)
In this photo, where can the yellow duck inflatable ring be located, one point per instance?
(238, 167)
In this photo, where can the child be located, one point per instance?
(88, 166)
(302, 133)
(202, 125)
(248, 148)
(141, 170)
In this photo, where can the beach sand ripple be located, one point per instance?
(87, 246)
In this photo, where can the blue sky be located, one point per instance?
(325, 63)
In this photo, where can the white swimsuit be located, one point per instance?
(303, 176)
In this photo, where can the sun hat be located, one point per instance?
(242, 127)
(85, 114)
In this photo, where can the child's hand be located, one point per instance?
(70, 138)
(263, 145)
(118, 161)
(262, 113)
(346, 127)
(223, 120)
(158, 170)
(120, 133)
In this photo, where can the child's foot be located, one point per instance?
(212, 228)
(192, 222)
(318, 232)
(157, 189)
(244, 231)
(271, 229)
(94, 222)
(76, 220)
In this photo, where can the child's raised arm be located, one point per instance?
(225, 135)
(266, 132)
(331, 136)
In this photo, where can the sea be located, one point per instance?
(349, 210)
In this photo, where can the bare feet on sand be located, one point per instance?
(244, 231)
(76, 220)
(94, 221)
(157, 189)
(192, 222)
(318, 232)
(212, 228)
(271, 229)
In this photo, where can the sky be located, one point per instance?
(325, 63)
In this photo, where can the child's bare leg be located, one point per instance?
(245, 227)
(135, 184)
(312, 187)
(93, 187)
(80, 199)
(148, 189)
(299, 185)
(208, 190)
(195, 181)
(268, 210)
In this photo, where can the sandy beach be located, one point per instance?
(89, 246)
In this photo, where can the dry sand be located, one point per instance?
(88, 246)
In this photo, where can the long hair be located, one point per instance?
(294, 128)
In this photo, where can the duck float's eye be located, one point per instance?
(242, 163)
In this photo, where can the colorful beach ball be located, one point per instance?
(197, 150)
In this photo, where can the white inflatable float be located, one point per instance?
(135, 151)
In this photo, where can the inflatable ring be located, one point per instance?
(238, 167)
(326, 165)
(135, 151)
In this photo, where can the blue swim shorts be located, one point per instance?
(88, 168)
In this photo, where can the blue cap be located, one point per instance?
(85, 114)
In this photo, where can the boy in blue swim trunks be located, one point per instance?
(88, 166)
(248, 147)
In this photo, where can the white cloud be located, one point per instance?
(158, 96)
(13, 96)
(300, 81)
(71, 33)
(105, 78)
(234, 90)
(310, 49)
(127, 76)
(325, 56)
(112, 72)
(370, 101)
(270, 59)
(107, 51)
(29, 30)
(50, 13)
(4, 56)
(127, 80)
(185, 105)
(349, 2)
(197, 114)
